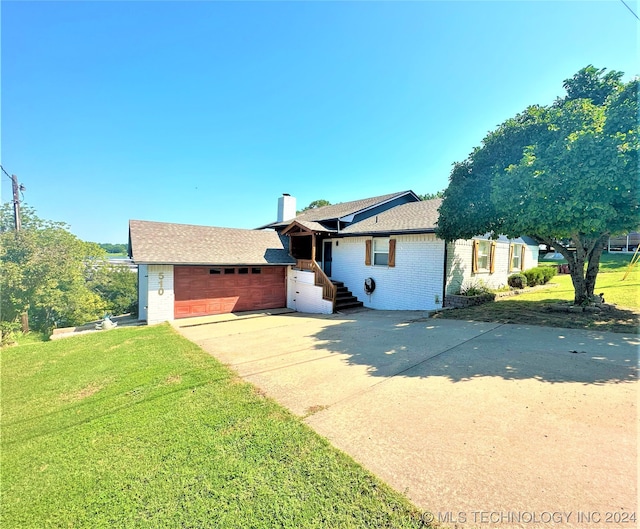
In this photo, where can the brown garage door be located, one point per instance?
(204, 290)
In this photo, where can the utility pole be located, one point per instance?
(17, 223)
(16, 202)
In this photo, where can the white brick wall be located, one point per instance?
(303, 295)
(415, 283)
(459, 265)
(143, 292)
(160, 293)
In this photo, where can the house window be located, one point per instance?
(381, 252)
(243, 270)
(483, 256)
(229, 270)
(516, 257)
(215, 271)
(483, 259)
(256, 270)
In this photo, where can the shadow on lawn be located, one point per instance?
(462, 351)
(539, 313)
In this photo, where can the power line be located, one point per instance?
(632, 12)
(5, 172)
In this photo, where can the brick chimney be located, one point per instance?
(286, 207)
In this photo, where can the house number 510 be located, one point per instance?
(160, 285)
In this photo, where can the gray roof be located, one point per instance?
(165, 243)
(337, 211)
(412, 217)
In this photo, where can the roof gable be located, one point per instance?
(166, 243)
(346, 211)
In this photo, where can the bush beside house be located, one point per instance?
(540, 275)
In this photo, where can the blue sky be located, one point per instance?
(206, 112)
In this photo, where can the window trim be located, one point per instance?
(490, 255)
(381, 248)
(370, 251)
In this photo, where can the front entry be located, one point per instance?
(326, 257)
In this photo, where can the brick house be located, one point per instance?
(381, 252)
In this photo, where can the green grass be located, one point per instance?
(31, 337)
(141, 428)
(533, 307)
(609, 282)
(609, 261)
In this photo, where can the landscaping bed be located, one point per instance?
(551, 304)
(514, 310)
(458, 301)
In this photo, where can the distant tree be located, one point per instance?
(431, 196)
(114, 248)
(314, 205)
(566, 175)
(117, 286)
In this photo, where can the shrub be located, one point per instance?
(540, 275)
(534, 276)
(476, 288)
(548, 272)
(517, 281)
(9, 331)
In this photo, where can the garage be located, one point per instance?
(186, 270)
(207, 290)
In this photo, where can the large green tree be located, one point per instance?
(44, 270)
(54, 277)
(565, 174)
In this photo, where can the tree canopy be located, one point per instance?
(56, 278)
(314, 205)
(431, 196)
(565, 174)
(114, 248)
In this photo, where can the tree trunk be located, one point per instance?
(585, 249)
(594, 264)
(579, 284)
(581, 296)
(25, 322)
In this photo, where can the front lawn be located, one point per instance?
(609, 261)
(141, 428)
(533, 308)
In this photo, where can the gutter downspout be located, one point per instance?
(444, 274)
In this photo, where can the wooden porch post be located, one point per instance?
(313, 246)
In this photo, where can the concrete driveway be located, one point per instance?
(484, 425)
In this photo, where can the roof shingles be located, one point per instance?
(412, 217)
(336, 211)
(164, 243)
